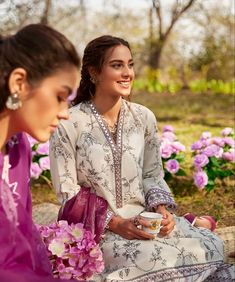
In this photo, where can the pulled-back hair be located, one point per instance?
(94, 56)
(37, 48)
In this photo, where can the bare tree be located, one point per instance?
(15, 14)
(46, 12)
(159, 39)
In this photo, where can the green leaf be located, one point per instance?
(181, 172)
(180, 157)
(167, 176)
(215, 162)
(224, 173)
(210, 186)
(210, 183)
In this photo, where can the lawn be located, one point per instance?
(190, 114)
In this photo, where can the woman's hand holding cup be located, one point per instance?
(154, 221)
(168, 221)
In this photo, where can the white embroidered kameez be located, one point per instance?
(127, 172)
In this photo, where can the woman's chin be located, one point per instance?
(42, 137)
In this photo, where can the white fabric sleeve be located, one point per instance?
(155, 188)
(62, 152)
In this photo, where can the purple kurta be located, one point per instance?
(23, 256)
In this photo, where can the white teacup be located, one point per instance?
(154, 219)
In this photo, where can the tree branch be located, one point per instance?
(157, 7)
(46, 12)
(176, 14)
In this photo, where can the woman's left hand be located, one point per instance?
(168, 222)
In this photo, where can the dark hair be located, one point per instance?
(94, 56)
(37, 48)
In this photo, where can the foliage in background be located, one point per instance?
(157, 31)
(216, 51)
(168, 81)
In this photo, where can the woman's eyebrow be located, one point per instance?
(119, 61)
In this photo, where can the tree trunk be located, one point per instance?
(155, 54)
(44, 18)
(156, 47)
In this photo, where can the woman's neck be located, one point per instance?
(108, 108)
(6, 133)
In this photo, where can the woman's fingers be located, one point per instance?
(168, 224)
(133, 228)
(143, 235)
(144, 223)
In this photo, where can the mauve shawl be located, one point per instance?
(23, 255)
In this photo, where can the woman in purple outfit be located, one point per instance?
(38, 71)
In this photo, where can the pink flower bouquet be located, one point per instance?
(72, 250)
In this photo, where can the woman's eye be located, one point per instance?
(60, 99)
(131, 65)
(116, 66)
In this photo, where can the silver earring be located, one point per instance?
(13, 102)
(93, 80)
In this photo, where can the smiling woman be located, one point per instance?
(36, 79)
(122, 166)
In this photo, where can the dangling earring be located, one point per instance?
(93, 80)
(13, 102)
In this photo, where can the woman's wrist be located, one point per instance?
(114, 222)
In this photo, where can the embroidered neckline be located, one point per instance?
(116, 148)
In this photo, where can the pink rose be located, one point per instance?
(200, 179)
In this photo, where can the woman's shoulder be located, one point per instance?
(79, 116)
(81, 110)
(140, 110)
(77, 113)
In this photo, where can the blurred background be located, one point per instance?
(182, 38)
(184, 62)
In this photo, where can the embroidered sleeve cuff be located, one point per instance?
(156, 197)
(109, 216)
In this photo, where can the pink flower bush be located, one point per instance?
(214, 158)
(171, 152)
(72, 250)
(40, 166)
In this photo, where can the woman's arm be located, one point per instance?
(62, 152)
(156, 189)
(158, 196)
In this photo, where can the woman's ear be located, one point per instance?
(92, 72)
(17, 82)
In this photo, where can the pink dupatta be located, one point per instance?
(87, 208)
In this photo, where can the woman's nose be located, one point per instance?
(64, 114)
(127, 71)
